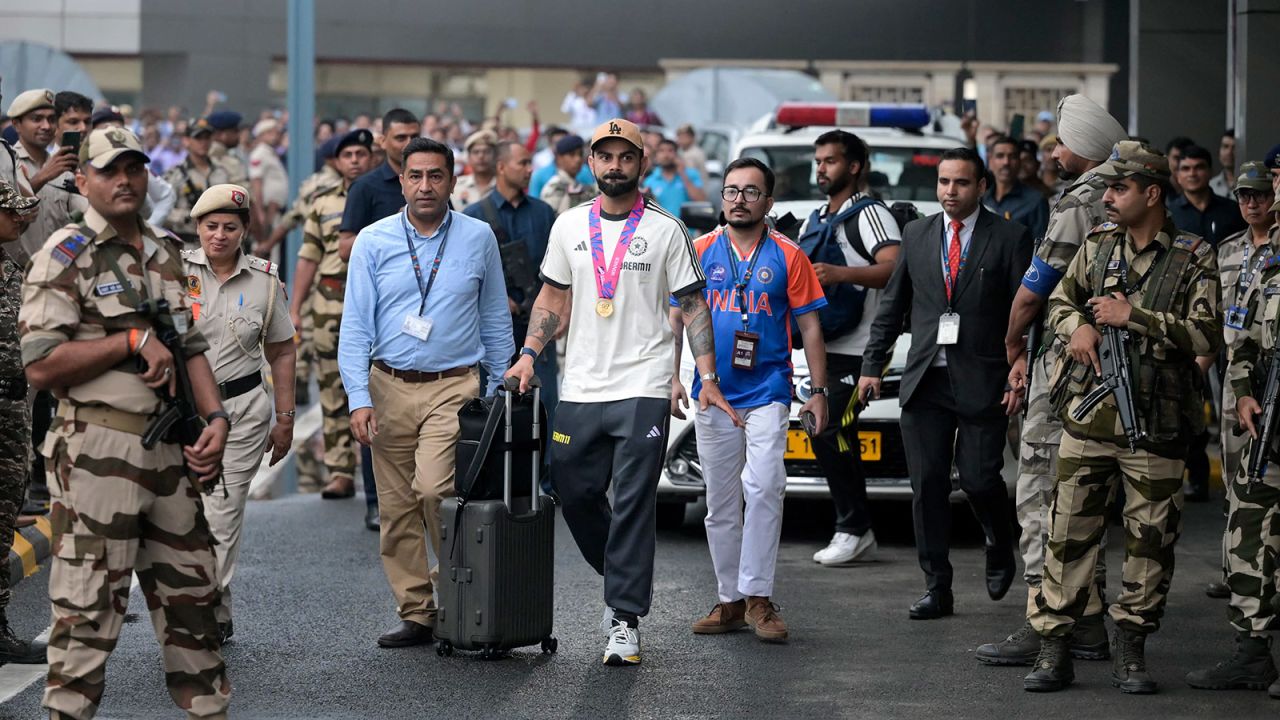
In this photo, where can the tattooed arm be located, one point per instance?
(702, 344)
(679, 396)
(545, 320)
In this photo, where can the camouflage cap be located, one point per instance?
(199, 127)
(106, 144)
(11, 199)
(221, 198)
(1253, 175)
(1132, 157)
(30, 100)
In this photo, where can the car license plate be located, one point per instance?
(799, 447)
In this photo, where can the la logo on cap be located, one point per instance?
(615, 128)
(237, 197)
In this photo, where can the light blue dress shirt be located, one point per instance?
(467, 304)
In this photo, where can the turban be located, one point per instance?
(1086, 129)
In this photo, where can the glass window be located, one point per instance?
(896, 173)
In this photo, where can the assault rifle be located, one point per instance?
(1116, 380)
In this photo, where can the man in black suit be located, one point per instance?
(956, 276)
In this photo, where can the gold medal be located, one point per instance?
(604, 307)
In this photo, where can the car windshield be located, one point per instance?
(903, 173)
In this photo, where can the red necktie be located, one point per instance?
(953, 256)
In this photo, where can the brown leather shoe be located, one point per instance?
(763, 617)
(724, 617)
(339, 488)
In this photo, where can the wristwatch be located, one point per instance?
(526, 350)
(218, 414)
(818, 389)
(711, 377)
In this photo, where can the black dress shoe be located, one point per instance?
(372, 519)
(406, 634)
(933, 605)
(1218, 590)
(225, 631)
(1001, 568)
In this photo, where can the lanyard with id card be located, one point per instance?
(949, 321)
(746, 344)
(414, 324)
(1238, 312)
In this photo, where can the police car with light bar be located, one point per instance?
(904, 152)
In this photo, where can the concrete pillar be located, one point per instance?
(1179, 62)
(1257, 78)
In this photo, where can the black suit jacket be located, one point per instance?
(999, 254)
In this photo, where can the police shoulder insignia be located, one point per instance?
(69, 249)
(1104, 227)
(262, 265)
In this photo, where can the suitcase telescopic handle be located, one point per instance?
(512, 386)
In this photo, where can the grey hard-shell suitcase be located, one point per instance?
(497, 564)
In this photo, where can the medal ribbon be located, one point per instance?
(607, 278)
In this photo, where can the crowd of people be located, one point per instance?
(440, 258)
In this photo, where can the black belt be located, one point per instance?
(239, 386)
(13, 388)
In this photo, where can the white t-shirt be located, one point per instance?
(631, 353)
(877, 228)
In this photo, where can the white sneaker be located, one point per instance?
(836, 540)
(624, 645)
(846, 548)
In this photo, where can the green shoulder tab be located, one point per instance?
(262, 265)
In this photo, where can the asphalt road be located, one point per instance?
(311, 599)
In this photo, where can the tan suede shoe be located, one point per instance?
(763, 617)
(723, 618)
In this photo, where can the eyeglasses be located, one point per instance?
(749, 193)
(1249, 197)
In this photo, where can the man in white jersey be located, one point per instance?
(618, 260)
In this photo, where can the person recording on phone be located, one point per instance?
(957, 275)
(50, 174)
(757, 282)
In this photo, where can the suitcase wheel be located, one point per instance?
(550, 645)
(444, 648)
(491, 653)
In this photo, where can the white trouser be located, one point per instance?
(737, 463)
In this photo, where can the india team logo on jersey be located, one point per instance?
(638, 246)
(765, 273)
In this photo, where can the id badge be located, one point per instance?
(744, 350)
(1236, 316)
(948, 329)
(416, 326)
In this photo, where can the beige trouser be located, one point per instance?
(250, 423)
(413, 458)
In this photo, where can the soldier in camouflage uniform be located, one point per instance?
(117, 507)
(1160, 284)
(191, 177)
(1089, 134)
(226, 145)
(563, 190)
(1236, 255)
(15, 414)
(1251, 542)
(318, 260)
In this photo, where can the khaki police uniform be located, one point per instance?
(118, 508)
(320, 245)
(1172, 285)
(237, 316)
(60, 203)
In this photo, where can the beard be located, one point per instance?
(742, 223)
(1064, 173)
(616, 186)
(837, 185)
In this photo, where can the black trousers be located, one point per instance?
(622, 443)
(935, 435)
(843, 469)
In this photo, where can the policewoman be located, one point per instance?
(239, 305)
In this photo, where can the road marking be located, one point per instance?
(15, 678)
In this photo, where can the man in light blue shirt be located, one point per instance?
(671, 183)
(425, 303)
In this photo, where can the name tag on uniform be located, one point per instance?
(417, 326)
(948, 329)
(180, 323)
(744, 350)
(111, 288)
